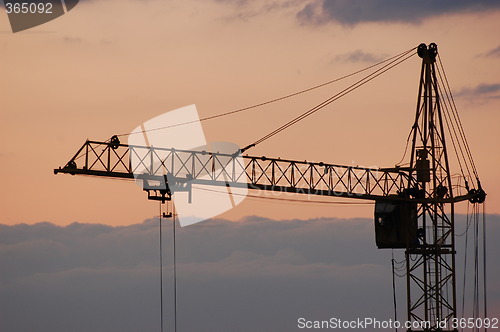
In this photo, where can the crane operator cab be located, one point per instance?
(395, 224)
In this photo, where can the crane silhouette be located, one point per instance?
(414, 202)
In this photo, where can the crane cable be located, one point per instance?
(396, 61)
(484, 265)
(473, 217)
(466, 232)
(394, 300)
(275, 99)
(161, 275)
(455, 127)
(174, 268)
(459, 122)
(475, 307)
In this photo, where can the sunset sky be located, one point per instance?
(107, 66)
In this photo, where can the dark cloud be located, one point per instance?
(359, 56)
(351, 12)
(245, 10)
(254, 275)
(70, 39)
(233, 2)
(481, 91)
(494, 52)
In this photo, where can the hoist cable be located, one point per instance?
(484, 265)
(161, 272)
(475, 305)
(406, 147)
(455, 140)
(462, 133)
(175, 268)
(465, 260)
(394, 290)
(468, 223)
(402, 262)
(161, 276)
(454, 108)
(473, 217)
(401, 269)
(273, 100)
(335, 97)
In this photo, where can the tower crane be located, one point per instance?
(414, 204)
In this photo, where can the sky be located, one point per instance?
(254, 275)
(69, 80)
(107, 66)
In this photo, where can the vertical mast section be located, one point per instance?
(430, 264)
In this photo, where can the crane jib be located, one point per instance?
(112, 160)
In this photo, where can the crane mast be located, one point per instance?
(431, 279)
(414, 205)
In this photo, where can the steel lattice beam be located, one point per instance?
(270, 174)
